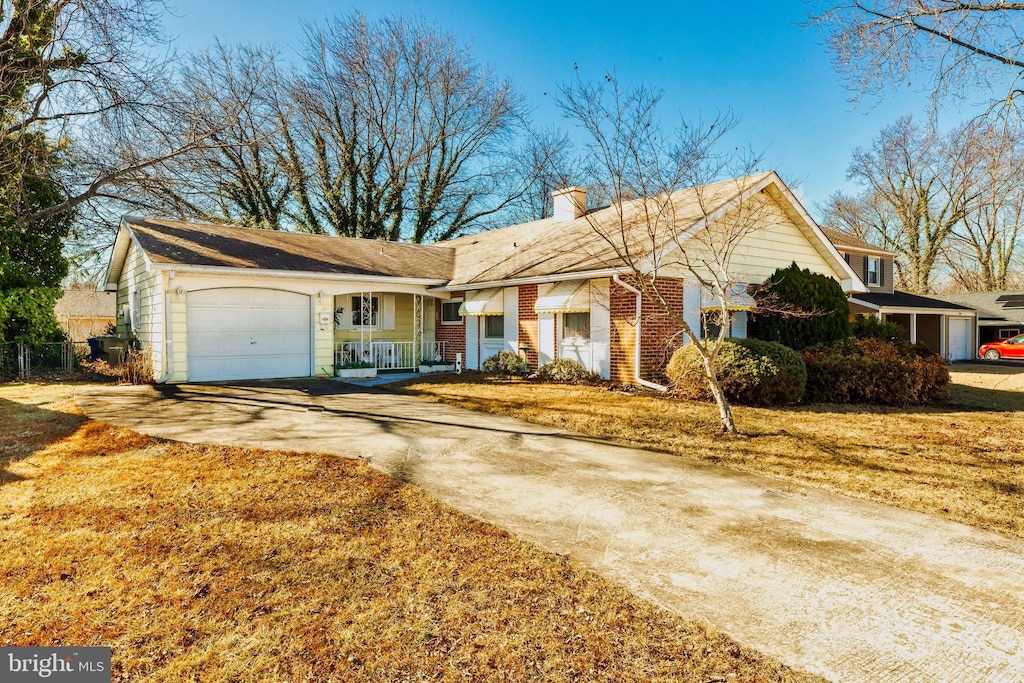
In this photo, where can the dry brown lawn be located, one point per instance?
(213, 563)
(962, 459)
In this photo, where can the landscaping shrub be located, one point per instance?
(504, 363)
(751, 372)
(801, 290)
(874, 371)
(870, 327)
(566, 370)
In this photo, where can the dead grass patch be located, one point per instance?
(214, 563)
(958, 460)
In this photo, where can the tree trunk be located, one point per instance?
(728, 424)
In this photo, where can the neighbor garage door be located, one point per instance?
(247, 333)
(960, 347)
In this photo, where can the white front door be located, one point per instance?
(960, 347)
(248, 333)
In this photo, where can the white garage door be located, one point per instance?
(247, 333)
(960, 347)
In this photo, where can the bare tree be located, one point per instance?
(983, 248)
(399, 133)
(917, 189)
(955, 46)
(547, 161)
(89, 74)
(240, 176)
(658, 229)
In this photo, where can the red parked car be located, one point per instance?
(1004, 348)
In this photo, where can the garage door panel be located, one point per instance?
(248, 333)
(960, 339)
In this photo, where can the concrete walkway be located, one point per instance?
(852, 590)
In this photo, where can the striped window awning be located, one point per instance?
(484, 302)
(739, 300)
(571, 296)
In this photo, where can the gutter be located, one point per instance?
(299, 274)
(536, 280)
(636, 347)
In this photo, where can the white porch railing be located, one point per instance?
(388, 355)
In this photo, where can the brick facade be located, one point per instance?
(659, 331)
(453, 335)
(529, 331)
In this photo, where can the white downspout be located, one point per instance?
(636, 347)
(168, 344)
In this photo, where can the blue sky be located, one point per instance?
(752, 58)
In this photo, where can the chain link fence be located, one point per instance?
(19, 361)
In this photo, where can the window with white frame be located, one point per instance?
(494, 326)
(576, 325)
(450, 313)
(1008, 334)
(711, 324)
(366, 312)
(874, 271)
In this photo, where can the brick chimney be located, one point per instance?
(569, 203)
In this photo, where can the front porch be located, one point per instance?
(386, 354)
(386, 331)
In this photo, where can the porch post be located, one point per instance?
(417, 331)
(913, 328)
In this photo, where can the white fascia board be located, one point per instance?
(956, 312)
(864, 250)
(300, 274)
(121, 242)
(825, 241)
(865, 304)
(539, 280)
(855, 286)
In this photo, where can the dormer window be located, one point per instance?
(874, 270)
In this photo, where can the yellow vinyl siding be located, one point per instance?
(403, 320)
(323, 338)
(136, 276)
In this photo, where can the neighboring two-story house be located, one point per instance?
(947, 328)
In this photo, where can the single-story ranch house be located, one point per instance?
(216, 302)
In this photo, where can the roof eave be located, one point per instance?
(302, 274)
(539, 279)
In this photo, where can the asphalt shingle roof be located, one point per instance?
(203, 244)
(906, 300)
(995, 305)
(841, 239)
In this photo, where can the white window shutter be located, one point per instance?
(388, 302)
(739, 324)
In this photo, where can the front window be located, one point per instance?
(874, 268)
(711, 323)
(450, 313)
(494, 326)
(364, 311)
(576, 326)
(1017, 340)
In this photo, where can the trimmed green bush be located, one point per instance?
(504, 363)
(751, 372)
(566, 370)
(876, 372)
(870, 327)
(796, 290)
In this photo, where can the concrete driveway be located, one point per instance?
(852, 590)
